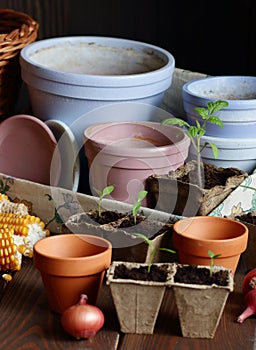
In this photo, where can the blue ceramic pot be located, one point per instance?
(239, 118)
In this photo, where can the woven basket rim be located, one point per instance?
(24, 28)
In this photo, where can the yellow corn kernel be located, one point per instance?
(20, 223)
(3, 197)
(7, 277)
(8, 249)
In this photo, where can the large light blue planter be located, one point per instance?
(239, 118)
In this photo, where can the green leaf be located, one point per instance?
(175, 121)
(203, 112)
(214, 150)
(216, 106)
(142, 194)
(211, 254)
(107, 190)
(146, 239)
(201, 133)
(168, 250)
(193, 131)
(216, 120)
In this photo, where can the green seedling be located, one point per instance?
(195, 132)
(137, 205)
(212, 257)
(105, 192)
(152, 248)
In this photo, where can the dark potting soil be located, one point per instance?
(250, 218)
(106, 216)
(211, 176)
(194, 275)
(156, 274)
(126, 222)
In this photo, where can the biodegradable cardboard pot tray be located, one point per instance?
(178, 192)
(120, 228)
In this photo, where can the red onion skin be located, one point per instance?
(246, 287)
(249, 292)
(82, 320)
(250, 302)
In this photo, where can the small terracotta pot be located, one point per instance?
(193, 237)
(70, 265)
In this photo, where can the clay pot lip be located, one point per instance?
(174, 147)
(241, 236)
(42, 254)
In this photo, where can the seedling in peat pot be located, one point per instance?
(152, 248)
(136, 206)
(105, 192)
(195, 132)
(213, 257)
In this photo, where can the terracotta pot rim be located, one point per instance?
(183, 235)
(72, 266)
(44, 255)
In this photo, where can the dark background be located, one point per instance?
(212, 37)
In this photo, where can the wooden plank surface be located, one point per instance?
(27, 323)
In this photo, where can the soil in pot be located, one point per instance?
(194, 275)
(156, 273)
(249, 218)
(178, 191)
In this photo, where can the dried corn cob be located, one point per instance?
(10, 258)
(27, 230)
(6, 206)
(22, 224)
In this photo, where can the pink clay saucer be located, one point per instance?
(27, 150)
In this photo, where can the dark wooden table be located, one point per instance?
(26, 323)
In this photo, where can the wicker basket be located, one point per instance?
(17, 30)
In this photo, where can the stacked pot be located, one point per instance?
(236, 142)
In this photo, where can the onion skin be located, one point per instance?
(250, 301)
(82, 320)
(249, 292)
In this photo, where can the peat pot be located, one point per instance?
(71, 265)
(193, 237)
(124, 154)
(137, 301)
(201, 297)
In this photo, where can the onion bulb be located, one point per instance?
(249, 292)
(82, 320)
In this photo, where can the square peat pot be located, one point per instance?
(200, 306)
(137, 302)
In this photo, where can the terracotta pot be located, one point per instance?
(193, 237)
(126, 153)
(70, 265)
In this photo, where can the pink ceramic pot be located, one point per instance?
(124, 154)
